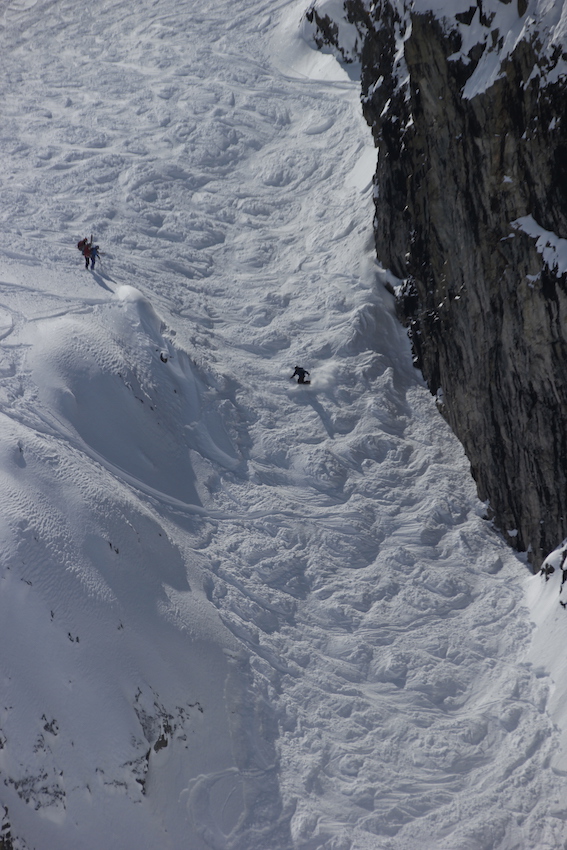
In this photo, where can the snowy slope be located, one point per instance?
(235, 613)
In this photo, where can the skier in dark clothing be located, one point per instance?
(94, 255)
(301, 373)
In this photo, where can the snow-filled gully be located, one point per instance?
(236, 613)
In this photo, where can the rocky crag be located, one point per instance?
(469, 113)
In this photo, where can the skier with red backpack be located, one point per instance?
(84, 247)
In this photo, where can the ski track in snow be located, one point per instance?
(236, 613)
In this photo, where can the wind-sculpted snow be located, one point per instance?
(235, 613)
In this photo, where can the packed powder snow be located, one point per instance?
(236, 613)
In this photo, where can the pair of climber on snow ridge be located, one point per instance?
(89, 251)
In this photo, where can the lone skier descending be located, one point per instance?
(301, 373)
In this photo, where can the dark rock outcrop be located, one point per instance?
(471, 207)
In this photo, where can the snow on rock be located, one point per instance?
(552, 248)
(337, 31)
(487, 33)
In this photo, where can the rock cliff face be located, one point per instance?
(469, 113)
